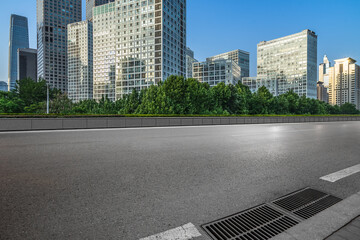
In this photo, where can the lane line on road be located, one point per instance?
(185, 232)
(148, 128)
(334, 177)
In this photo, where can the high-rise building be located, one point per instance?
(19, 38)
(3, 86)
(136, 44)
(80, 60)
(52, 20)
(90, 4)
(189, 62)
(240, 57)
(323, 84)
(344, 82)
(217, 71)
(27, 63)
(291, 61)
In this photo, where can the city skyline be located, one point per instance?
(254, 31)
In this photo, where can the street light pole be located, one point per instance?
(47, 98)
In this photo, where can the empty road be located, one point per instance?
(132, 183)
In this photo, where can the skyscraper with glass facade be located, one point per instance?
(240, 57)
(291, 61)
(136, 44)
(52, 20)
(19, 38)
(189, 62)
(80, 60)
(90, 4)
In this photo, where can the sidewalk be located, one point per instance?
(349, 232)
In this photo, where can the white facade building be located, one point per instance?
(292, 61)
(254, 83)
(80, 61)
(136, 44)
(344, 82)
(217, 71)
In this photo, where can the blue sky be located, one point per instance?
(217, 26)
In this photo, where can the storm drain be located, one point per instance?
(306, 203)
(268, 220)
(260, 223)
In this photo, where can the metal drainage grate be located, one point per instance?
(259, 223)
(306, 203)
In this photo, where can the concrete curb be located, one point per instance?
(28, 124)
(325, 223)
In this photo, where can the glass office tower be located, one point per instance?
(90, 4)
(52, 20)
(136, 44)
(80, 61)
(19, 38)
(291, 61)
(240, 57)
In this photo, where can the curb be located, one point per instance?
(325, 223)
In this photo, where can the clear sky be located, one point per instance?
(217, 26)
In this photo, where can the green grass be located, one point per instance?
(30, 115)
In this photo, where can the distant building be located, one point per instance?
(19, 38)
(189, 62)
(27, 63)
(52, 20)
(322, 92)
(292, 60)
(240, 57)
(90, 4)
(217, 71)
(254, 83)
(80, 61)
(344, 82)
(3, 86)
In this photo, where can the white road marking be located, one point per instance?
(334, 177)
(140, 128)
(186, 232)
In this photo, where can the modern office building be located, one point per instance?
(322, 92)
(3, 86)
(323, 83)
(52, 20)
(137, 44)
(254, 83)
(240, 57)
(19, 38)
(292, 61)
(344, 82)
(217, 71)
(80, 60)
(90, 4)
(27, 63)
(189, 62)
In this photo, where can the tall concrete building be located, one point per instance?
(254, 83)
(3, 86)
(136, 44)
(217, 71)
(90, 4)
(19, 38)
(322, 92)
(189, 62)
(80, 61)
(240, 57)
(27, 63)
(291, 61)
(52, 20)
(344, 82)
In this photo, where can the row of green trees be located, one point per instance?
(176, 95)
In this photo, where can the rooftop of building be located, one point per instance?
(306, 31)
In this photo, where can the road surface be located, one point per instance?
(133, 183)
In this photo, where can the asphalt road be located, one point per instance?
(132, 183)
